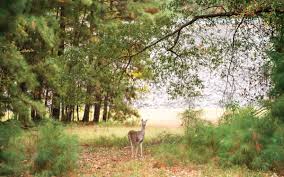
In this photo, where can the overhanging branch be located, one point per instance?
(195, 18)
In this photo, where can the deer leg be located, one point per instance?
(136, 154)
(141, 151)
(131, 149)
(129, 138)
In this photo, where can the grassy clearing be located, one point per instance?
(108, 136)
(108, 154)
(105, 151)
(116, 162)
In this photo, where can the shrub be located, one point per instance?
(190, 117)
(241, 139)
(277, 108)
(199, 136)
(201, 142)
(251, 140)
(11, 152)
(57, 152)
(272, 156)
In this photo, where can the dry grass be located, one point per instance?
(114, 161)
(88, 134)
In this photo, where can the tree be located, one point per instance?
(26, 40)
(179, 53)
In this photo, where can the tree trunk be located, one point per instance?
(55, 100)
(34, 113)
(69, 112)
(97, 109)
(105, 113)
(55, 107)
(46, 97)
(62, 28)
(77, 110)
(86, 116)
(73, 113)
(86, 113)
(63, 115)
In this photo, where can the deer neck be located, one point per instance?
(143, 129)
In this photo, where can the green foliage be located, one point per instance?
(57, 153)
(272, 155)
(277, 61)
(277, 108)
(11, 153)
(241, 139)
(190, 117)
(199, 136)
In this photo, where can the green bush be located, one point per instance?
(199, 137)
(11, 152)
(272, 156)
(254, 141)
(242, 138)
(239, 140)
(277, 108)
(202, 142)
(57, 153)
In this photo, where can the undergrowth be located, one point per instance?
(57, 153)
(241, 138)
(11, 152)
(42, 151)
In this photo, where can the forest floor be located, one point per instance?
(105, 152)
(107, 162)
(117, 162)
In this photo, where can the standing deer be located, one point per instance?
(136, 138)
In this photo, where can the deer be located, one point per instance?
(136, 139)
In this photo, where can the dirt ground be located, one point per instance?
(113, 162)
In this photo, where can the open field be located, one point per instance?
(164, 117)
(158, 117)
(89, 134)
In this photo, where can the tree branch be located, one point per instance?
(195, 18)
(175, 42)
(232, 57)
(236, 30)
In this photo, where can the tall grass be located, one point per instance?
(108, 136)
